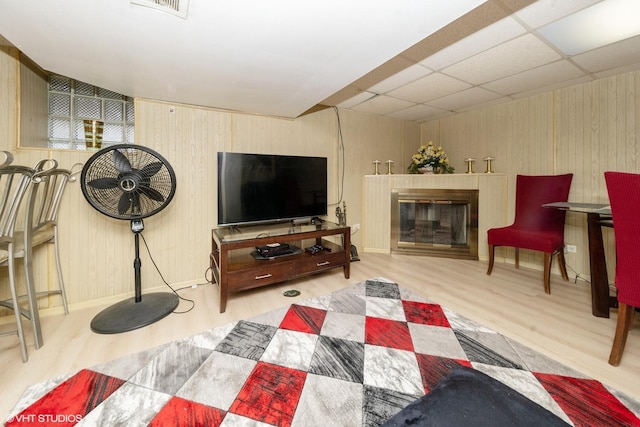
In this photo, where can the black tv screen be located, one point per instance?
(261, 188)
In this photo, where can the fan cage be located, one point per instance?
(109, 201)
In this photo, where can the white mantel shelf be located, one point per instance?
(376, 222)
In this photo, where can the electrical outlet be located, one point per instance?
(355, 227)
(572, 249)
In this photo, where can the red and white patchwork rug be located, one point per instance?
(355, 357)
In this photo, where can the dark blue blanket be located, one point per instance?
(468, 397)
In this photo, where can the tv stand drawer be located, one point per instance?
(320, 262)
(260, 276)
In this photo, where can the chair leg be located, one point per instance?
(517, 256)
(547, 272)
(16, 306)
(562, 265)
(625, 317)
(491, 254)
(32, 297)
(56, 250)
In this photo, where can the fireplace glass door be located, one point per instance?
(435, 222)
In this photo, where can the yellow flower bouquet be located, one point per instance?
(430, 159)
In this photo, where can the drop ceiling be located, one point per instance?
(412, 60)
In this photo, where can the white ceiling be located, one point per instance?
(413, 60)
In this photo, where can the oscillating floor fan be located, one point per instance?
(130, 182)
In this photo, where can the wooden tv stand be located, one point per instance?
(235, 268)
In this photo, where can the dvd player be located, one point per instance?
(274, 249)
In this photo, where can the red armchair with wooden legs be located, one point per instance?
(536, 227)
(624, 197)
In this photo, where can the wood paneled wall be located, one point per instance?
(33, 91)
(9, 101)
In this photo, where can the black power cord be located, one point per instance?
(175, 291)
(341, 144)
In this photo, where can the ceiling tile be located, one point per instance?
(543, 12)
(433, 86)
(382, 104)
(460, 100)
(599, 25)
(403, 77)
(504, 60)
(384, 71)
(496, 101)
(493, 35)
(418, 112)
(551, 87)
(545, 75)
(609, 57)
(621, 70)
(359, 98)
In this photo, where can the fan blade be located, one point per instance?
(137, 207)
(124, 203)
(151, 169)
(151, 193)
(121, 162)
(103, 183)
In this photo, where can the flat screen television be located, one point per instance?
(264, 188)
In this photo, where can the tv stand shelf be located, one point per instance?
(235, 269)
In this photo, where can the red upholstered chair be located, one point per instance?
(536, 227)
(624, 197)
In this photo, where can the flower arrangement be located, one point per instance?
(430, 158)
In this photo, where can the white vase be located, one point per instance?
(426, 169)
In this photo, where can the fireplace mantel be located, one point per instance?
(376, 223)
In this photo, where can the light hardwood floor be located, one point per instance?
(509, 301)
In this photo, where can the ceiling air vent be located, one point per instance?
(174, 7)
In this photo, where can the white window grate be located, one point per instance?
(175, 7)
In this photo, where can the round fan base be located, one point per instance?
(128, 315)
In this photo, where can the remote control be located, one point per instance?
(317, 248)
